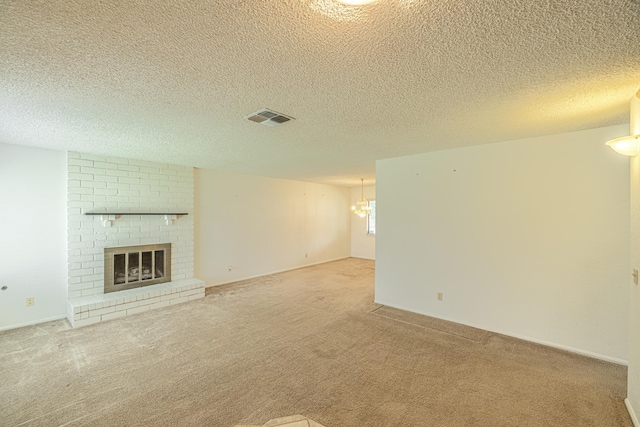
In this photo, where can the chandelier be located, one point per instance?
(361, 208)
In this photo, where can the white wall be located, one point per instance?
(33, 235)
(528, 238)
(258, 226)
(363, 245)
(633, 386)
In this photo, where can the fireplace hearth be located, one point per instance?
(128, 267)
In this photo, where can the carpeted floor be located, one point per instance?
(308, 342)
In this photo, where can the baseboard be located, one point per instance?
(362, 257)
(632, 413)
(33, 322)
(530, 339)
(274, 272)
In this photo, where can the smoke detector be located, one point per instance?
(268, 117)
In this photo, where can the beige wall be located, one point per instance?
(528, 238)
(33, 260)
(248, 226)
(633, 387)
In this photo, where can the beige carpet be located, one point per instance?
(292, 421)
(307, 342)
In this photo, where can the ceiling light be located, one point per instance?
(630, 145)
(627, 145)
(355, 2)
(362, 207)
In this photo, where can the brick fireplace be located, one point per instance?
(116, 203)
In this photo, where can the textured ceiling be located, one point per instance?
(171, 81)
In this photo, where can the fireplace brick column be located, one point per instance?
(98, 182)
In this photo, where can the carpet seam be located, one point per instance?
(482, 341)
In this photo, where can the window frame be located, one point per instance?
(371, 232)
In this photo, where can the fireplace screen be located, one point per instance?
(135, 266)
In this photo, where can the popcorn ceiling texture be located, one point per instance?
(391, 78)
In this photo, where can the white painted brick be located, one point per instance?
(178, 300)
(78, 203)
(102, 311)
(105, 191)
(149, 301)
(170, 296)
(105, 165)
(94, 291)
(150, 184)
(84, 162)
(83, 190)
(93, 278)
(82, 286)
(142, 175)
(149, 169)
(95, 157)
(142, 296)
(80, 176)
(104, 179)
(92, 264)
(138, 310)
(113, 315)
(93, 184)
(198, 296)
(117, 160)
(80, 272)
(92, 170)
(159, 305)
(127, 305)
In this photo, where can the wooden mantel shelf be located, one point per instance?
(109, 215)
(121, 212)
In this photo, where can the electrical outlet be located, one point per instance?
(439, 296)
(635, 276)
(230, 268)
(30, 302)
(306, 255)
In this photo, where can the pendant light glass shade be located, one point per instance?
(361, 208)
(627, 145)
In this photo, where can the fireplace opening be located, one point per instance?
(128, 267)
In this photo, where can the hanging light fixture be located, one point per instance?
(627, 145)
(630, 145)
(361, 208)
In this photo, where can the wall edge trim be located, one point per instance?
(632, 414)
(32, 322)
(570, 349)
(274, 272)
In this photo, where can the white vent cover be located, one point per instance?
(268, 117)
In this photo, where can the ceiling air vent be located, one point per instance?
(268, 117)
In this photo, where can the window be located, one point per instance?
(371, 218)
